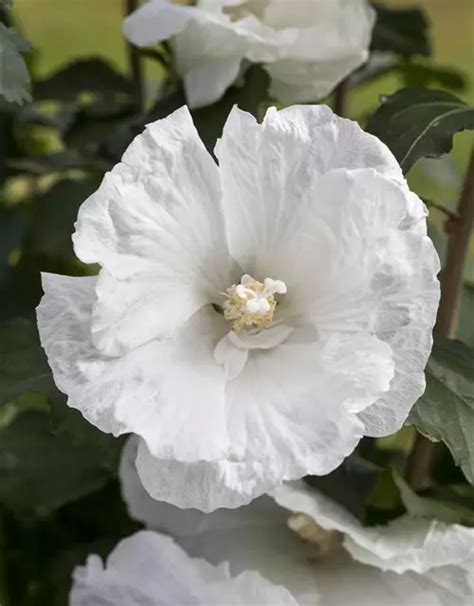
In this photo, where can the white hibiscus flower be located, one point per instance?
(149, 569)
(306, 46)
(339, 562)
(251, 320)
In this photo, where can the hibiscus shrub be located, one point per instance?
(241, 324)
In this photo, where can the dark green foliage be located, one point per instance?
(91, 75)
(446, 409)
(14, 79)
(401, 31)
(350, 484)
(418, 123)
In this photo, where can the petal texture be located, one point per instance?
(149, 569)
(268, 168)
(152, 391)
(323, 206)
(155, 226)
(279, 423)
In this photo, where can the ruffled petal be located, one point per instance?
(292, 411)
(267, 169)
(169, 392)
(340, 227)
(185, 523)
(369, 265)
(443, 554)
(155, 226)
(148, 568)
(244, 537)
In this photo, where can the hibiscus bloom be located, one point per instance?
(251, 320)
(409, 562)
(306, 46)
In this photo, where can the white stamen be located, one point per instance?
(275, 286)
(251, 304)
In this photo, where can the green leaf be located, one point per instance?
(417, 123)
(92, 75)
(424, 75)
(210, 120)
(446, 409)
(41, 468)
(401, 31)
(14, 80)
(53, 216)
(49, 455)
(350, 484)
(433, 508)
(411, 73)
(93, 123)
(23, 364)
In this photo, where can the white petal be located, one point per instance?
(210, 51)
(333, 40)
(254, 537)
(365, 263)
(342, 582)
(185, 523)
(291, 412)
(168, 392)
(404, 545)
(204, 485)
(208, 81)
(150, 569)
(156, 21)
(265, 339)
(232, 358)
(296, 81)
(267, 168)
(155, 226)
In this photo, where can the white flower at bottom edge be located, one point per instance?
(306, 46)
(252, 319)
(415, 562)
(149, 569)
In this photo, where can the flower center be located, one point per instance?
(251, 304)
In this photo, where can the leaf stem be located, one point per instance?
(340, 97)
(136, 66)
(422, 457)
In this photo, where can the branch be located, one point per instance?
(423, 455)
(459, 235)
(136, 67)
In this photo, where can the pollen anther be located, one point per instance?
(251, 304)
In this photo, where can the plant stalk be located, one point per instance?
(136, 66)
(340, 98)
(422, 457)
